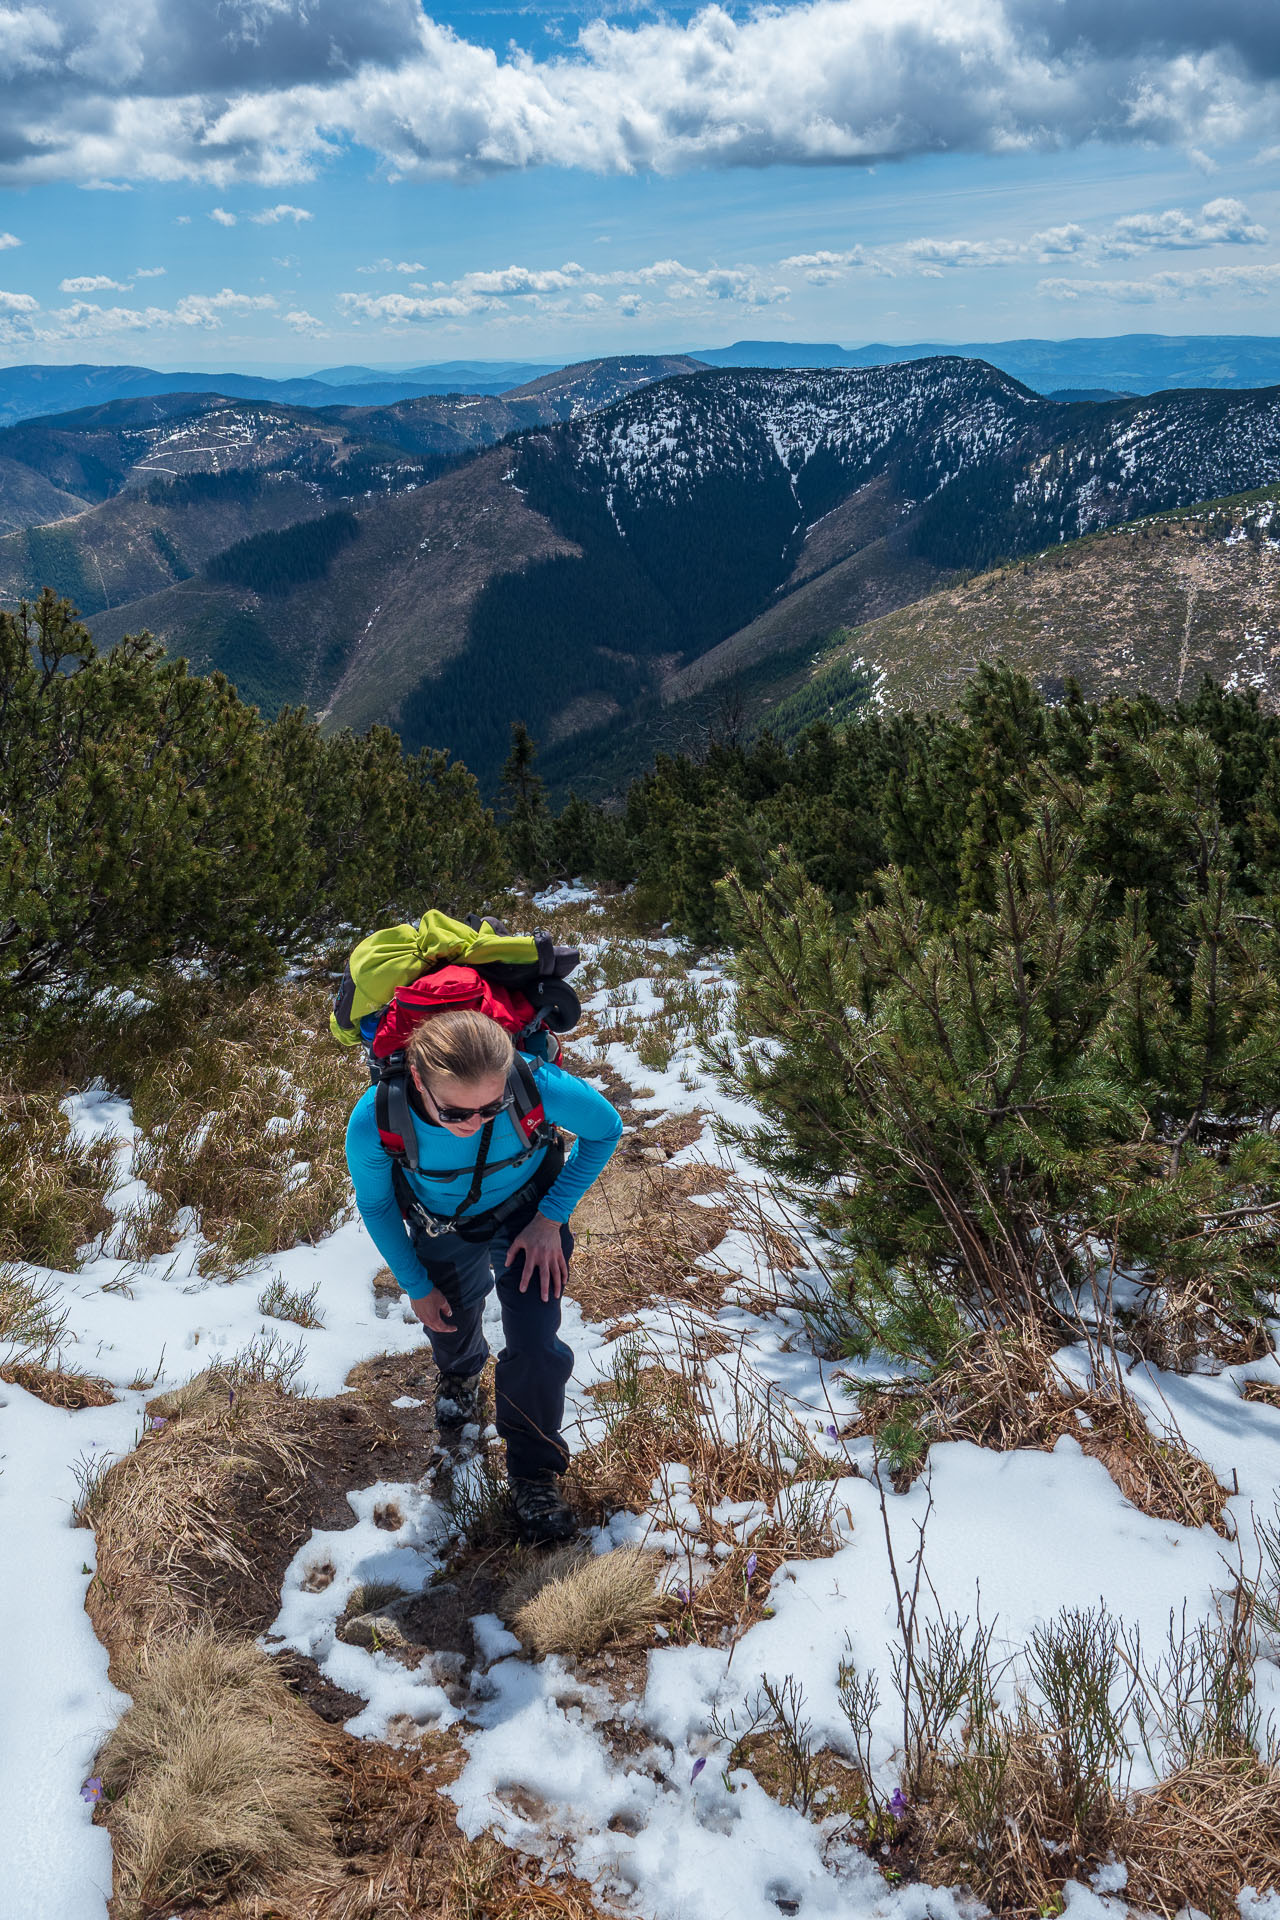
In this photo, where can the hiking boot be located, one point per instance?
(458, 1400)
(541, 1515)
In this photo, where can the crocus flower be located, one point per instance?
(682, 1593)
(899, 1803)
(92, 1790)
(698, 1765)
(751, 1567)
(155, 1423)
(832, 1433)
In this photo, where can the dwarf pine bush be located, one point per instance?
(1000, 1109)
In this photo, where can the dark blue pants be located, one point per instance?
(534, 1364)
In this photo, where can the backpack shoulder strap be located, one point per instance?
(394, 1117)
(527, 1109)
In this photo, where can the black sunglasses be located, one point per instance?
(454, 1116)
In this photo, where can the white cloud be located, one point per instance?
(148, 273)
(1055, 242)
(207, 309)
(93, 283)
(932, 257)
(111, 90)
(567, 288)
(223, 218)
(1255, 282)
(393, 266)
(304, 322)
(1218, 223)
(271, 216)
(18, 303)
(9, 240)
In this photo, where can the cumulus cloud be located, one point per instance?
(148, 273)
(18, 303)
(272, 216)
(93, 283)
(267, 90)
(223, 218)
(1218, 223)
(9, 240)
(507, 289)
(1257, 282)
(303, 322)
(393, 266)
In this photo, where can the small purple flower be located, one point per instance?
(899, 1805)
(155, 1423)
(832, 1433)
(751, 1567)
(92, 1790)
(231, 1396)
(698, 1765)
(683, 1594)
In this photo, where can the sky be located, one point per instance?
(310, 183)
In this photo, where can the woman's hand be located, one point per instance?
(434, 1311)
(543, 1255)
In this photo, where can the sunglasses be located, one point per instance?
(454, 1116)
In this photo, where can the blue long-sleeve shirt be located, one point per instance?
(569, 1102)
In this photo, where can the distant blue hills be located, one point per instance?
(1125, 363)
(1133, 363)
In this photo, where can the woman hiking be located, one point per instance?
(488, 1201)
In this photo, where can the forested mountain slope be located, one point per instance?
(1150, 607)
(699, 530)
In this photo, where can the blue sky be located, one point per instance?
(216, 183)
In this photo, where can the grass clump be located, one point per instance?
(241, 1101)
(583, 1601)
(180, 1521)
(283, 1302)
(214, 1777)
(32, 1323)
(53, 1186)
(1003, 1389)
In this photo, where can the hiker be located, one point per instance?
(487, 1197)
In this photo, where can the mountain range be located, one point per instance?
(1126, 364)
(604, 554)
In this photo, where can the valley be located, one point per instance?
(625, 552)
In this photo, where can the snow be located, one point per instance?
(141, 1327)
(1009, 1539)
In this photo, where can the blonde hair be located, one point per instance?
(460, 1044)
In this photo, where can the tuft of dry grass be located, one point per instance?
(213, 1776)
(401, 1856)
(1196, 1838)
(1266, 1392)
(241, 1099)
(738, 1442)
(586, 1601)
(53, 1187)
(59, 1386)
(178, 1521)
(1004, 1390)
(639, 1235)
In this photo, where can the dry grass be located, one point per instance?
(1004, 1391)
(401, 1856)
(738, 1441)
(179, 1521)
(586, 1601)
(1266, 1392)
(639, 1236)
(1199, 1836)
(214, 1777)
(59, 1386)
(247, 1131)
(52, 1186)
(241, 1099)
